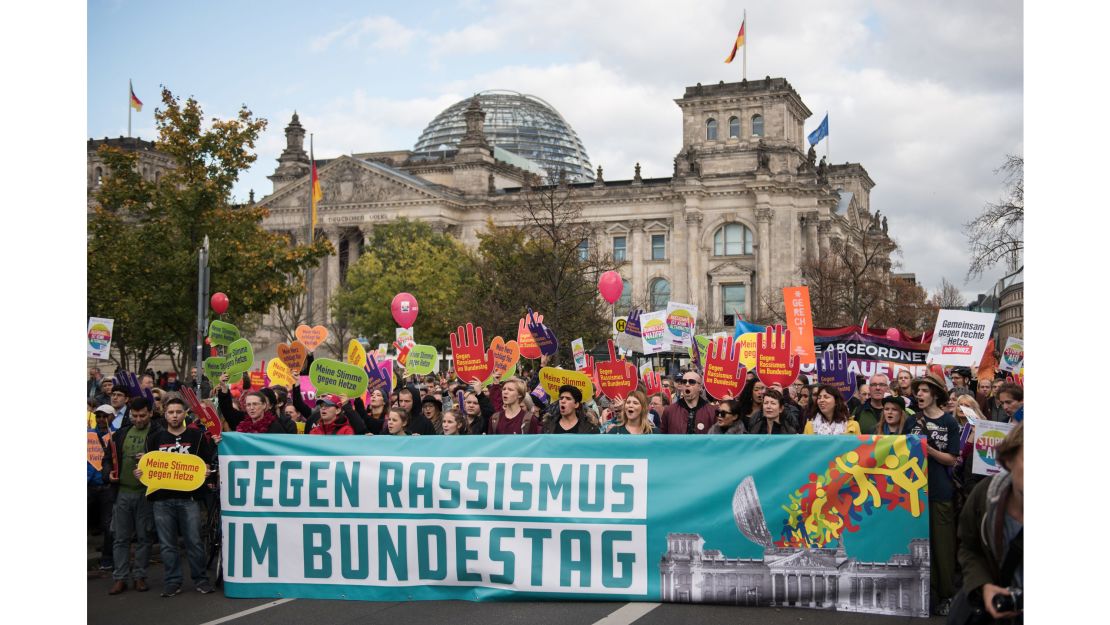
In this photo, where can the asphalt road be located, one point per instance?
(192, 608)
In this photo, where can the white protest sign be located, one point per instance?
(681, 319)
(99, 338)
(578, 348)
(1013, 355)
(988, 436)
(960, 338)
(655, 335)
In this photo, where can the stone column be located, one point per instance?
(693, 247)
(812, 590)
(810, 220)
(679, 276)
(352, 248)
(764, 214)
(824, 227)
(774, 588)
(332, 284)
(636, 249)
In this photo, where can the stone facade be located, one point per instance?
(152, 163)
(814, 578)
(744, 208)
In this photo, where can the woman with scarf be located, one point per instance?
(770, 419)
(830, 414)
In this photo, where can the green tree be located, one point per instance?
(549, 260)
(406, 256)
(144, 237)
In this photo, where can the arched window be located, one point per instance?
(624, 304)
(99, 175)
(660, 292)
(732, 240)
(733, 127)
(757, 125)
(711, 129)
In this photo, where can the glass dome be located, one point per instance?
(519, 123)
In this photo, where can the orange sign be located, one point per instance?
(799, 319)
(95, 452)
(311, 337)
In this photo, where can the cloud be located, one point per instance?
(384, 33)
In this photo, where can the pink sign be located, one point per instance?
(308, 392)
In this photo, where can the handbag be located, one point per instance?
(967, 608)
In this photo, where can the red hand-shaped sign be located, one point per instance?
(616, 378)
(653, 383)
(775, 361)
(469, 350)
(724, 375)
(203, 411)
(590, 370)
(528, 347)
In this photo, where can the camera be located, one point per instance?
(1008, 603)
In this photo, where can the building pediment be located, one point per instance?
(730, 268)
(805, 560)
(348, 182)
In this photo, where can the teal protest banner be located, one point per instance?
(833, 522)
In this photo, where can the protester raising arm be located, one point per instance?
(228, 411)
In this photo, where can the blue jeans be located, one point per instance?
(180, 517)
(131, 515)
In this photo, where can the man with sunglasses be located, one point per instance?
(691, 413)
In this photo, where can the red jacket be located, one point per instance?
(336, 427)
(676, 416)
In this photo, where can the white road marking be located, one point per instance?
(628, 613)
(232, 617)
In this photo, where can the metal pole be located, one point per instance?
(311, 235)
(202, 309)
(744, 23)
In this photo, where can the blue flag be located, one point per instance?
(743, 327)
(821, 132)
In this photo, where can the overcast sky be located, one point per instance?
(926, 96)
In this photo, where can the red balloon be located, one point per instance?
(893, 334)
(405, 309)
(219, 303)
(611, 286)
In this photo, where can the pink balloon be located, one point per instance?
(404, 308)
(893, 334)
(219, 303)
(611, 286)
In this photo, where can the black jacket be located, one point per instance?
(191, 441)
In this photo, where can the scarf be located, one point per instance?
(262, 426)
(820, 426)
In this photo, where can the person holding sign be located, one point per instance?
(571, 418)
(830, 414)
(332, 421)
(634, 419)
(942, 432)
(180, 510)
(514, 417)
(770, 420)
(132, 512)
(991, 537)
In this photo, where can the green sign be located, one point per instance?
(492, 379)
(222, 333)
(332, 376)
(421, 360)
(214, 367)
(240, 358)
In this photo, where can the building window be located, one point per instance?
(584, 250)
(99, 175)
(658, 246)
(619, 244)
(757, 125)
(660, 291)
(732, 300)
(711, 130)
(733, 127)
(732, 240)
(624, 304)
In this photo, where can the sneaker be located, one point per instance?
(107, 566)
(171, 591)
(204, 588)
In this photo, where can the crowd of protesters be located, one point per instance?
(133, 415)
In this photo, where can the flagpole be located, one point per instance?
(827, 157)
(744, 23)
(130, 90)
(311, 231)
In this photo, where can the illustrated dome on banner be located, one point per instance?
(522, 124)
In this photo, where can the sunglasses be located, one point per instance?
(687, 381)
(723, 413)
